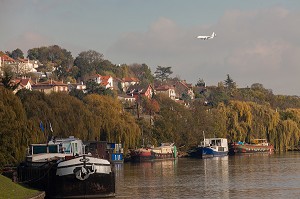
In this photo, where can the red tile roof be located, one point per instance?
(130, 79)
(6, 58)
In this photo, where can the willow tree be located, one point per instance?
(289, 130)
(37, 111)
(203, 119)
(265, 122)
(112, 123)
(239, 120)
(14, 134)
(71, 117)
(173, 124)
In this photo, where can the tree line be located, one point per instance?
(102, 117)
(238, 114)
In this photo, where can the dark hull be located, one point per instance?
(204, 152)
(248, 148)
(96, 186)
(44, 178)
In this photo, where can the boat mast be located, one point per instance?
(203, 138)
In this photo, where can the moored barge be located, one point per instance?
(63, 170)
(256, 146)
(164, 151)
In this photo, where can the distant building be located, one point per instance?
(78, 86)
(182, 88)
(167, 90)
(138, 90)
(50, 86)
(105, 81)
(129, 81)
(25, 83)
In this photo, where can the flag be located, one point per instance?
(42, 127)
(50, 127)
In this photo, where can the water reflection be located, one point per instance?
(250, 176)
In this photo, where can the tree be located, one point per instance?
(162, 73)
(53, 57)
(229, 83)
(142, 72)
(93, 87)
(6, 79)
(200, 83)
(87, 63)
(14, 134)
(18, 53)
(111, 123)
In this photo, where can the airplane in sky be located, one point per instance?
(207, 37)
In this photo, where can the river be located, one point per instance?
(246, 176)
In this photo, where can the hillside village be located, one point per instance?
(93, 99)
(128, 89)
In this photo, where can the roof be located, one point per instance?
(23, 81)
(164, 88)
(130, 79)
(50, 83)
(6, 58)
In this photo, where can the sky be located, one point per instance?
(257, 41)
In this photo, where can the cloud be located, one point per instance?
(258, 46)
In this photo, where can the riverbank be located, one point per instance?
(9, 189)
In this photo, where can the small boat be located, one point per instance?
(256, 146)
(164, 151)
(63, 170)
(210, 147)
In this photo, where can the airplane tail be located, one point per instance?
(213, 35)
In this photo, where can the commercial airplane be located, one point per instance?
(207, 37)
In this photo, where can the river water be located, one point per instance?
(246, 176)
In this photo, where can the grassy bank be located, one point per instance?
(9, 189)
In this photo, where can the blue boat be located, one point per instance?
(210, 147)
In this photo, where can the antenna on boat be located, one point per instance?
(203, 138)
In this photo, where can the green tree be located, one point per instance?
(53, 57)
(17, 53)
(87, 63)
(93, 87)
(229, 83)
(7, 79)
(14, 135)
(111, 123)
(200, 83)
(162, 73)
(143, 73)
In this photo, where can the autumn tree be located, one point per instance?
(53, 57)
(142, 72)
(14, 134)
(111, 123)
